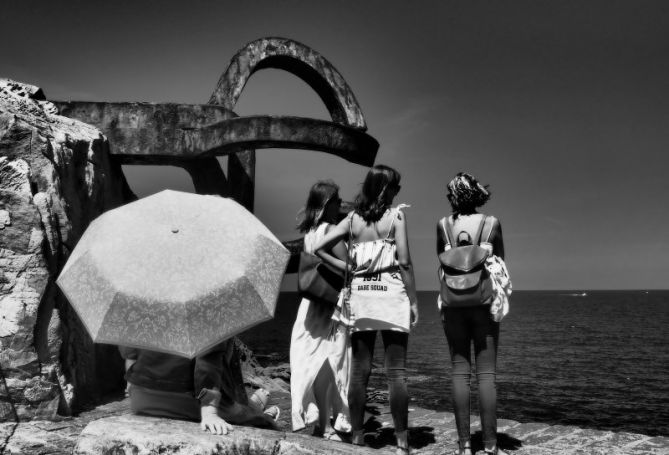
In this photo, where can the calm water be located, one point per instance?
(598, 361)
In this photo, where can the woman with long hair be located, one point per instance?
(467, 325)
(383, 294)
(319, 363)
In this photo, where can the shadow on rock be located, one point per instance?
(378, 436)
(504, 442)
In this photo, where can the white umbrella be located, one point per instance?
(174, 272)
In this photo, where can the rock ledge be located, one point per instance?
(131, 434)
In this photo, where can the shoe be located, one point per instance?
(402, 437)
(358, 437)
(332, 436)
(494, 451)
(463, 450)
(274, 412)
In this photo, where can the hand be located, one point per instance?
(212, 422)
(414, 314)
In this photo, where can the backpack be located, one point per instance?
(465, 280)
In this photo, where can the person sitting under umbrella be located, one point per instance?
(199, 389)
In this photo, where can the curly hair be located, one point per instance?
(465, 194)
(377, 192)
(321, 192)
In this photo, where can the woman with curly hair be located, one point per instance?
(383, 294)
(469, 325)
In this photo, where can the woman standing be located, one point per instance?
(383, 294)
(469, 325)
(319, 364)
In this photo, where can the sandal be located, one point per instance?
(358, 438)
(274, 412)
(495, 451)
(332, 436)
(466, 450)
(402, 450)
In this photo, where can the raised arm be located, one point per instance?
(339, 250)
(406, 266)
(331, 241)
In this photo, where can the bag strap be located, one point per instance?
(452, 238)
(348, 249)
(477, 240)
(447, 236)
(392, 222)
(492, 225)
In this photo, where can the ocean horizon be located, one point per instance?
(591, 358)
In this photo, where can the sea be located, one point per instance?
(595, 359)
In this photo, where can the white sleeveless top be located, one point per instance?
(378, 297)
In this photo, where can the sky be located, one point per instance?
(562, 107)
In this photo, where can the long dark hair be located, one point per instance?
(319, 195)
(377, 193)
(466, 194)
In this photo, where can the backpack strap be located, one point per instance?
(447, 230)
(477, 239)
(490, 228)
(396, 212)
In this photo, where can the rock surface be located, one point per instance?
(111, 430)
(146, 435)
(55, 177)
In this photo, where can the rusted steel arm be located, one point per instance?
(148, 133)
(263, 131)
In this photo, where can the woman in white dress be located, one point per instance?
(319, 363)
(383, 294)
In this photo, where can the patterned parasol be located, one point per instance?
(174, 272)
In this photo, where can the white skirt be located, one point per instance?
(380, 302)
(311, 349)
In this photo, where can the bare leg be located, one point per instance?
(321, 388)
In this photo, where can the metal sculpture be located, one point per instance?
(192, 135)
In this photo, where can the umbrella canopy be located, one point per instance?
(174, 272)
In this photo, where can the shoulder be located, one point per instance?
(492, 226)
(441, 224)
(398, 212)
(492, 220)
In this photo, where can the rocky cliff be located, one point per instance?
(56, 176)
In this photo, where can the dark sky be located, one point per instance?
(562, 107)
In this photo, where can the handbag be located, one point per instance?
(317, 281)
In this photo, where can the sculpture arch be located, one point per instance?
(193, 135)
(298, 59)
